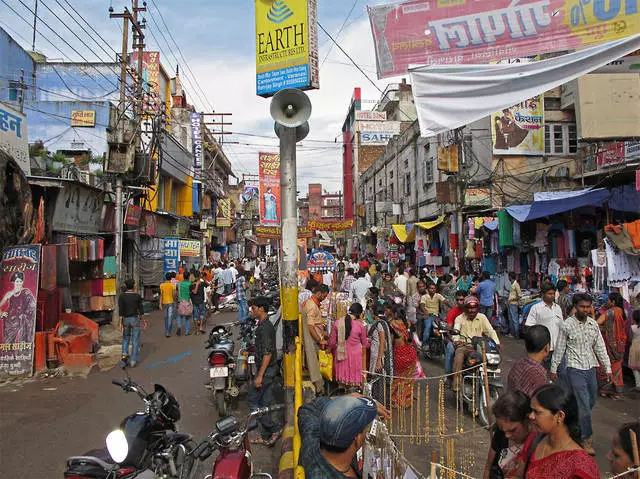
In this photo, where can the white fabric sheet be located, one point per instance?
(450, 96)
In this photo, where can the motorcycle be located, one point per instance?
(475, 378)
(440, 334)
(228, 302)
(222, 365)
(234, 460)
(147, 444)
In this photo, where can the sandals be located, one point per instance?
(269, 443)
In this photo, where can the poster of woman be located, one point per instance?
(19, 279)
(269, 176)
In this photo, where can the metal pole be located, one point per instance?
(289, 283)
(35, 26)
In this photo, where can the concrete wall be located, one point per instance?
(12, 59)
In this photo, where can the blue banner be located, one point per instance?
(171, 255)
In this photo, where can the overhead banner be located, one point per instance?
(19, 278)
(286, 46)
(13, 136)
(448, 158)
(468, 31)
(190, 248)
(269, 176)
(450, 96)
(223, 212)
(196, 135)
(334, 225)
(275, 232)
(519, 130)
(150, 79)
(171, 255)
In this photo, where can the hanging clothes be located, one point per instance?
(505, 226)
(453, 242)
(621, 267)
(472, 228)
(494, 243)
(517, 241)
(541, 240)
(571, 234)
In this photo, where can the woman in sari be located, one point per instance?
(347, 340)
(19, 317)
(614, 332)
(380, 354)
(555, 452)
(405, 359)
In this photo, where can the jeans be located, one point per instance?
(263, 397)
(584, 385)
(449, 353)
(426, 332)
(198, 311)
(187, 323)
(514, 320)
(169, 311)
(131, 331)
(243, 310)
(487, 311)
(228, 288)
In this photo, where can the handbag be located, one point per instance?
(325, 361)
(185, 308)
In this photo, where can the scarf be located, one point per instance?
(342, 341)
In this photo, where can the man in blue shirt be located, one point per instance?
(485, 290)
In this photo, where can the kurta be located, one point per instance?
(349, 370)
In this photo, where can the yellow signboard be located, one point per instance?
(83, 118)
(286, 45)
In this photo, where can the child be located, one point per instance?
(634, 352)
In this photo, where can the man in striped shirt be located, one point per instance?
(579, 337)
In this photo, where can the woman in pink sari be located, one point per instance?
(348, 337)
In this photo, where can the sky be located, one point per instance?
(216, 55)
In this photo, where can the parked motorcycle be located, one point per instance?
(234, 460)
(222, 364)
(147, 444)
(475, 378)
(228, 302)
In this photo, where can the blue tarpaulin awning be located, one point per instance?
(551, 203)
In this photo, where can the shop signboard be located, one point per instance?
(371, 115)
(13, 136)
(171, 255)
(190, 248)
(196, 137)
(83, 118)
(286, 46)
(78, 209)
(448, 158)
(150, 80)
(269, 177)
(19, 278)
(331, 225)
(519, 130)
(275, 232)
(223, 212)
(610, 154)
(631, 150)
(132, 218)
(148, 224)
(377, 133)
(420, 32)
(477, 197)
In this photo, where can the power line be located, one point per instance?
(91, 27)
(339, 32)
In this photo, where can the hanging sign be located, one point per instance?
(223, 212)
(83, 118)
(335, 225)
(133, 215)
(269, 177)
(448, 158)
(519, 130)
(171, 255)
(19, 278)
(196, 136)
(190, 248)
(423, 32)
(78, 209)
(275, 232)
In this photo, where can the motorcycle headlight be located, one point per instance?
(117, 445)
(493, 359)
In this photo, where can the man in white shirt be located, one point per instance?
(234, 271)
(229, 280)
(327, 278)
(548, 314)
(359, 289)
(401, 281)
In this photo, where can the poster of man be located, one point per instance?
(519, 130)
(19, 275)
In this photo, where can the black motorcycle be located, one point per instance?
(147, 444)
(440, 335)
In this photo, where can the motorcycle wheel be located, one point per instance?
(186, 464)
(221, 403)
(483, 413)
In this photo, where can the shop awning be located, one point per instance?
(407, 233)
(551, 203)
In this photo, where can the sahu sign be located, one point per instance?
(423, 32)
(286, 45)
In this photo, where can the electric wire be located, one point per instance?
(355, 2)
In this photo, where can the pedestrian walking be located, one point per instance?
(549, 314)
(579, 337)
(348, 337)
(185, 308)
(131, 315)
(198, 301)
(515, 295)
(228, 278)
(168, 300)
(634, 352)
(613, 326)
(528, 374)
(241, 295)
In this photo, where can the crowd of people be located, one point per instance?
(543, 422)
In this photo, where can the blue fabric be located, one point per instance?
(625, 198)
(585, 388)
(243, 310)
(187, 323)
(489, 265)
(198, 311)
(514, 320)
(491, 225)
(426, 332)
(485, 291)
(449, 354)
(131, 333)
(169, 311)
(551, 203)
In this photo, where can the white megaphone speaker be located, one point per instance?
(291, 108)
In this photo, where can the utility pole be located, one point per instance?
(460, 186)
(35, 26)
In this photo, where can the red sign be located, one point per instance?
(334, 225)
(269, 174)
(421, 32)
(275, 232)
(610, 154)
(133, 215)
(149, 224)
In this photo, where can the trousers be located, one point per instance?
(263, 397)
(131, 333)
(584, 385)
(514, 320)
(169, 311)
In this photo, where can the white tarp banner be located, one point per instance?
(450, 96)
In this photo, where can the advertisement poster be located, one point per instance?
(269, 175)
(423, 32)
(331, 225)
(19, 278)
(249, 193)
(302, 254)
(13, 136)
(171, 255)
(196, 136)
(190, 248)
(150, 79)
(448, 158)
(286, 46)
(519, 130)
(610, 154)
(223, 212)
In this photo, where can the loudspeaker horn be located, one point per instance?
(290, 107)
(301, 131)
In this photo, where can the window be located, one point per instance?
(406, 164)
(14, 90)
(407, 184)
(391, 195)
(560, 138)
(391, 174)
(428, 172)
(380, 182)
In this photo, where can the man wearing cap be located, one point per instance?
(469, 324)
(332, 431)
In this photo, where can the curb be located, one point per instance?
(286, 469)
